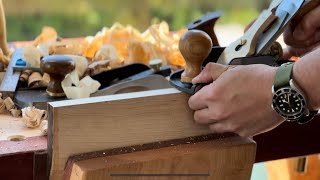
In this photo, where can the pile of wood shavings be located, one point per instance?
(31, 116)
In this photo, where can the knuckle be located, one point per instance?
(220, 113)
(197, 117)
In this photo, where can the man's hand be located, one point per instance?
(303, 37)
(237, 100)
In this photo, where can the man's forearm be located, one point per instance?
(306, 73)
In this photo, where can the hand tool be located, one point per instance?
(256, 46)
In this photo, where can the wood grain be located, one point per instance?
(229, 158)
(284, 169)
(86, 125)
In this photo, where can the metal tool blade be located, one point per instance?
(246, 45)
(106, 78)
(150, 82)
(285, 12)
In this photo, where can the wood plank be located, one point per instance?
(15, 126)
(93, 124)
(229, 158)
(285, 169)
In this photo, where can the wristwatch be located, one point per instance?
(288, 99)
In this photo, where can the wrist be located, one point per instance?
(303, 77)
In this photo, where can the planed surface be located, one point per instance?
(228, 158)
(11, 126)
(86, 125)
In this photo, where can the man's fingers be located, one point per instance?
(210, 73)
(308, 25)
(203, 116)
(198, 100)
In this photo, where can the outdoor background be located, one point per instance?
(75, 18)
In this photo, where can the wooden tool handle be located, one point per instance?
(3, 31)
(306, 7)
(195, 46)
(57, 66)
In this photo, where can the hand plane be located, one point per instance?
(256, 46)
(58, 66)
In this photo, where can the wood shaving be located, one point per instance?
(82, 89)
(106, 52)
(34, 79)
(32, 56)
(9, 103)
(15, 112)
(24, 77)
(2, 106)
(33, 116)
(44, 49)
(81, 64)
(137, 53)
(66, 47)
(47, 34)
(97, 67)
(44, 127)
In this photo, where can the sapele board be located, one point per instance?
(222, 159)
(93, 124)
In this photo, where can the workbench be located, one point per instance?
(27, 159)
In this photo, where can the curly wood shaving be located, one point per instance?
(82, 89)
(106, 52)
(33, 116)
(2, 106)
(9, 103)
(32, 56)
(34, 79)
(81, 64)
(98, 67)
(44, 127)
(15, 112)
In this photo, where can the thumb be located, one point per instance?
(210, 73)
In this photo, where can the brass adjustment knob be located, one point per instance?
(195, 46)
(57, 66)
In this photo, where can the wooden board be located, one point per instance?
(285, 169)
(229, 158)
(93, 124)
(13, 127)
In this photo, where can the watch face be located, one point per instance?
(289, 103)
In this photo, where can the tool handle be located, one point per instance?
(306, 7)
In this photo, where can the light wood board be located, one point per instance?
(11, 127)
(229, 158)
(285, 169)
(93, 124)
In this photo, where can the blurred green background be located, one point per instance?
(75, 18)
